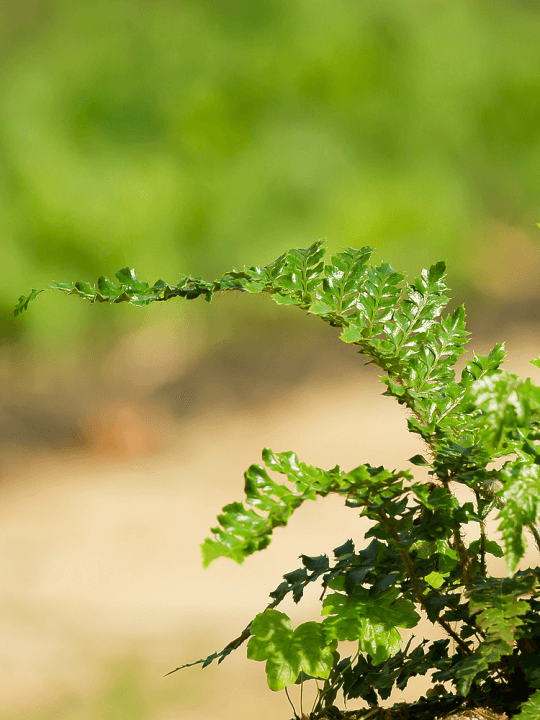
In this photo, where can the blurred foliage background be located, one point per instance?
(192, 136)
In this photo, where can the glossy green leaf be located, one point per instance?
(490, 546)
(530, 710)
(498, 616)
(288, 652)
(419, 460)
(342, 284)
(505, 402)
(242, 530)
(418, 311)
(24, 300)
(521, 505)
(483, 364)
(371, 621)
(488, 654)
(435, 579)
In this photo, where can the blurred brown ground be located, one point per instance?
(99, 544)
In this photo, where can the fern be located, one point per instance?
(417, 559)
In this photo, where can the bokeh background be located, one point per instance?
(194, 136)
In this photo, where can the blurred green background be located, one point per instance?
(194, 136)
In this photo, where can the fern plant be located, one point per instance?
(415, 559)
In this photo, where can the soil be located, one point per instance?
(418, 711)
(435, 707)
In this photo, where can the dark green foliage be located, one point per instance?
(417, 559)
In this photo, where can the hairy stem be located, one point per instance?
(459, 546)
(483, 568)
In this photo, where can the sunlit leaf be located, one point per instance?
(288, 652)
